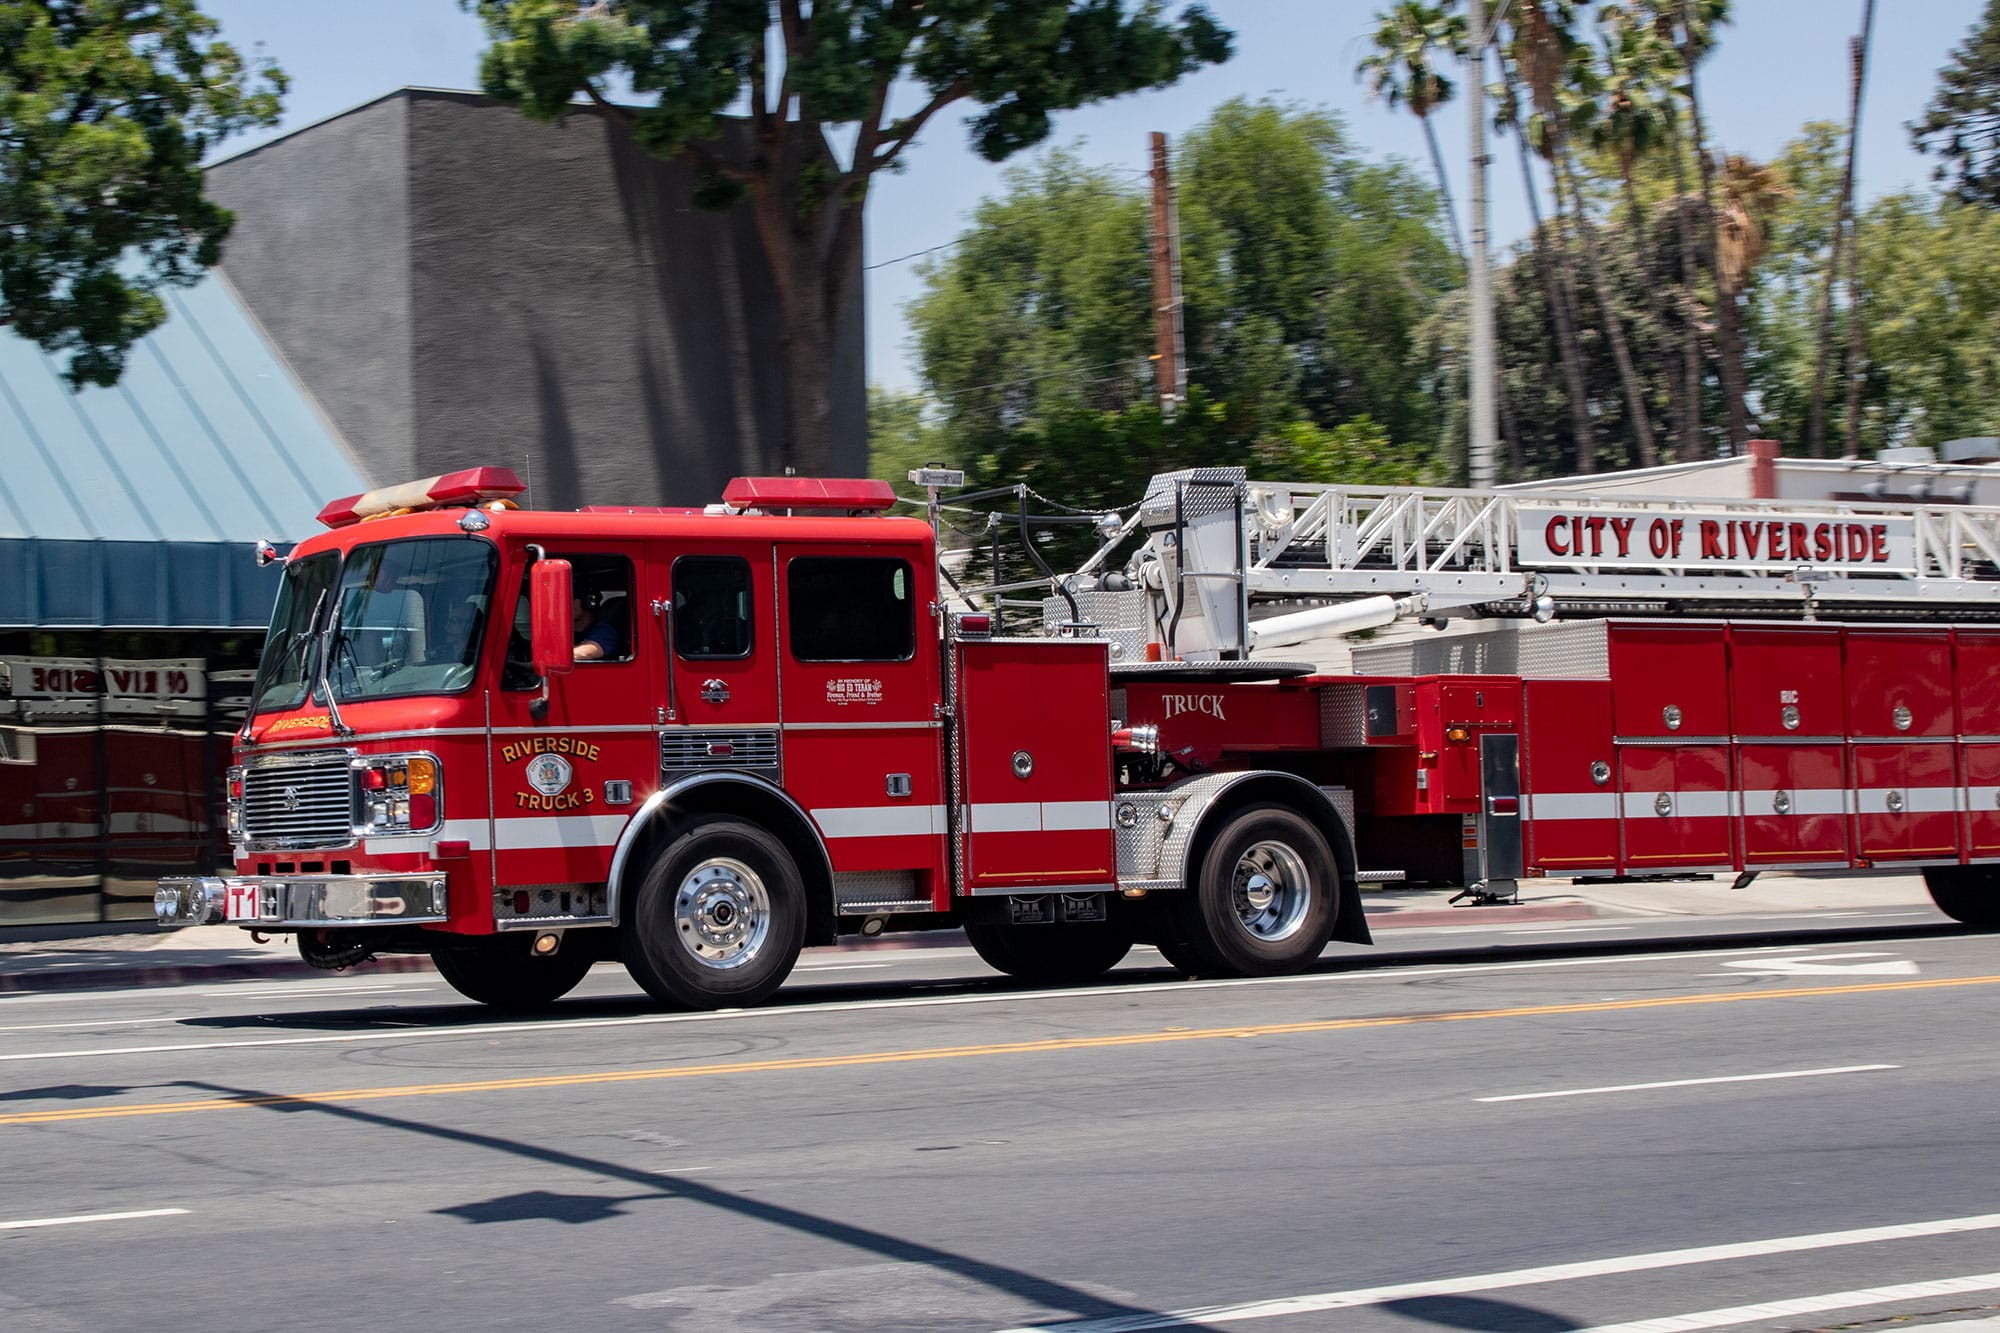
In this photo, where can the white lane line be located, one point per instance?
(90, 1217)
(1562, 930)
(1833, 1300)
(308, 990)
(837, 967)
(560, 1026)
(1685, 1083)
(1525, 1277)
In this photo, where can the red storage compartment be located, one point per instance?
(1669, 680)
(1982, 802)
(1899, 683)
(1794, 804)
(1567, 769)
(1035, 750)
(1976, 676)
(1785, 682)
(1906, 802)
(1676, 807)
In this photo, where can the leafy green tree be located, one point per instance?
(1308, 272)
(107, 108)
(901, 436)
(1044, 305)
(1961, 126)
(802, 69)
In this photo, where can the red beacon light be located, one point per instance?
(465, 488)
(843, 495)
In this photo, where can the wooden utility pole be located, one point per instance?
(1169, 346)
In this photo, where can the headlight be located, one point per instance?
(234, 803)
(400, 793)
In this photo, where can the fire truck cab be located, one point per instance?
(697, 741)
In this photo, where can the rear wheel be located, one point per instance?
(505, 973)
(1970, 894)
(1261, 902)
(718, 920)
(1075, 951)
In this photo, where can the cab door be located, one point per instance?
(863, 740)
(722, 668)
(567, 778)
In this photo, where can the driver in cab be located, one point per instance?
(596, 637)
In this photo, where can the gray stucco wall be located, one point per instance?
(321, 255)
(462, 286)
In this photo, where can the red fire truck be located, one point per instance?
(697, 741)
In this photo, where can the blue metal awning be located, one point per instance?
(139, 506)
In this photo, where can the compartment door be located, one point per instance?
(1572, 807)
(1906, 802)
(1794, 804)
(1034, 751)
(1676, 807)
(1982, 802)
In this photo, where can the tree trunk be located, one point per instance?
(1655, 307)
(1560, 312)
(1444, 188)
(1728, 329)
(1690, 404)
(1843, 226)
(1607, 301)
(809, 254)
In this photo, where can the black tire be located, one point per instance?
(505, 973)
(1261, 903)
(1071, 951)
(718, 920)
(1969, 894)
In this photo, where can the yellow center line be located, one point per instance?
(1045, 1046)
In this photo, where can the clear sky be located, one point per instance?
(1780, 64)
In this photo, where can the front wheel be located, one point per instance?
(1075, 951)
(506, 973)
(718, 920)
(1261, 902)
(1969, 894)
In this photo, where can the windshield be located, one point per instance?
(288, 648)
(410, 617)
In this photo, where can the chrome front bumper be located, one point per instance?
(295, 902)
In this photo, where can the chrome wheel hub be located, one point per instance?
(1271, 890)
(722, 913)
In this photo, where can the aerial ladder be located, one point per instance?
(1226, 569)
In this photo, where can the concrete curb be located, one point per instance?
(172, 974)
(182, 972)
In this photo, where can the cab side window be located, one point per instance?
(713, 611)
(600, 616)
(851, 609)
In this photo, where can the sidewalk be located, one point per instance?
(71, 958)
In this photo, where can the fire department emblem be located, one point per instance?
(548, 773)
(291, 798)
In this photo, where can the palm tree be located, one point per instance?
(1400, 72)
(1635, 122)
(1562, 86)
(1843, 228)
(1697, 20)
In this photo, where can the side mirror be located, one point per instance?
(553, 640)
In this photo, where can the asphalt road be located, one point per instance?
(1528, 1131)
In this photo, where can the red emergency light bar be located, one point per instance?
(846, 494)
(466, 487)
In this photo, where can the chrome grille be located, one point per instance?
(307, 801)
(681, 751)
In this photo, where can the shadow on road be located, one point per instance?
(1481, 1314)
(1000, 1278)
